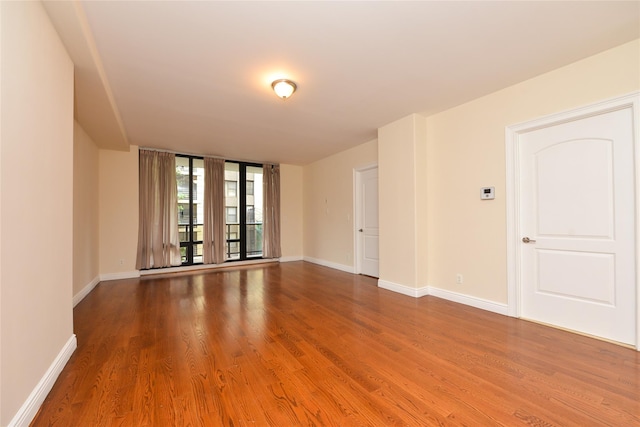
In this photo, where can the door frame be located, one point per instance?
(357, 208)
(513, 199)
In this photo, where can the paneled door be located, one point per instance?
(367, 222)
(577, 224)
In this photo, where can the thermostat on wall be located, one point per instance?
(487, 193)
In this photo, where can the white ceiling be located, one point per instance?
(195, 77)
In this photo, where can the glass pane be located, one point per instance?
(232, 203)
(231, 188)
(198, 213)
(254, 240)
(183, 232)
(190, 185)
(233, 231)
(197, 253)
(184, 210)
(198, 192)
(232, 178)
(254, 211)
(198, 233)
(251, 215)
(233, 250)
(182, 178)
(232, 215)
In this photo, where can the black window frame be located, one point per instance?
(191, 243)
(242, 208)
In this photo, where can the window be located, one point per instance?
(244, 210)
(231, 188)
(232, 215)
(190, 184)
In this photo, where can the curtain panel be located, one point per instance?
(271, 209)
(158, 239)
(214, 236)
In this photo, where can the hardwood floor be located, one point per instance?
(298, 344)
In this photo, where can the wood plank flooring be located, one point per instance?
(297, 344)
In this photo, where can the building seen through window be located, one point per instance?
(190, 183)
(243, 203)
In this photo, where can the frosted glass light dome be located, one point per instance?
(283, 88)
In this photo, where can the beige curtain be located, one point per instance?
(158, 240)
(214, 236)
(271, 217)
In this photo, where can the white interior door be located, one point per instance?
(367, 222)
(577, 208)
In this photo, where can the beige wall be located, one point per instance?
(466, 151)
(86, 248)
(328, 205)
(1, 204)
(291, 211)
(36, 179)
(118, 205)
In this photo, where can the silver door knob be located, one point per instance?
(527, 240)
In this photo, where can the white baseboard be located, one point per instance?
(117, 276)
(291, 258)
(335, 266)
(205, 267)
(30, 407)
(469, 300)
(402, 289)
(444, 294)
(85, 291)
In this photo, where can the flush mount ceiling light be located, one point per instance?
(284, 88)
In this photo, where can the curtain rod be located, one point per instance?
(161, 150)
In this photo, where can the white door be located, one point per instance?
(367, 221)
(577, 209)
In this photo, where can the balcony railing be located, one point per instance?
(184, 231)
(253, 239)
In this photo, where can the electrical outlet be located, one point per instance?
(459, 279)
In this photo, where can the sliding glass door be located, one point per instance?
(190, 181)
(243, 208)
